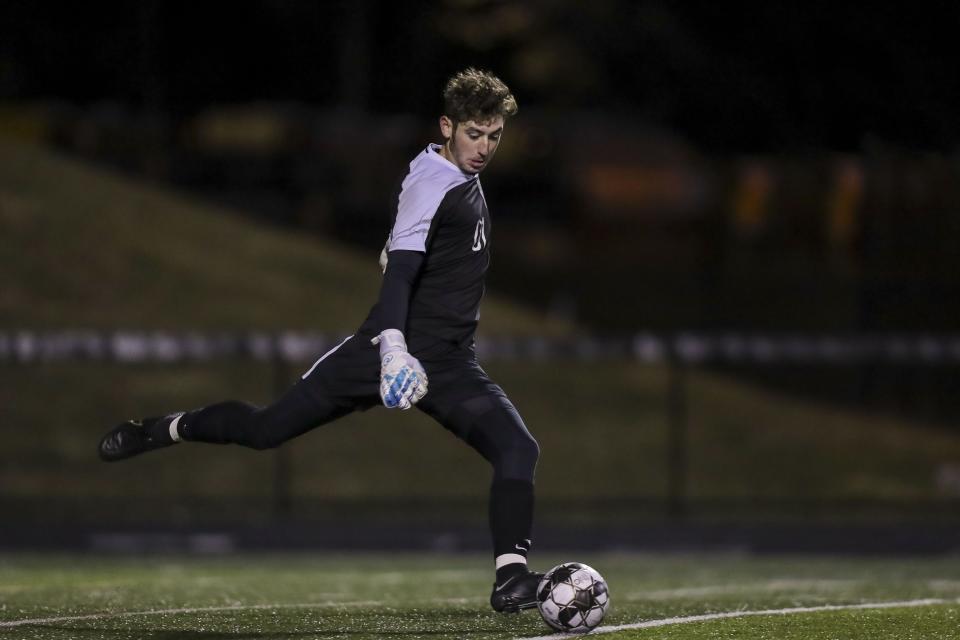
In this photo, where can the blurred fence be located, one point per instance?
(688, 348)
(681, 455)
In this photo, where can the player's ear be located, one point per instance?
(446, 127)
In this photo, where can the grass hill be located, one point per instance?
(87, 248)
(84, 247)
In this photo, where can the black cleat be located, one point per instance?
(517, 593)
(130, 438)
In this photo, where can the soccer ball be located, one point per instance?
(572, 597)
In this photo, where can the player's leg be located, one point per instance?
(477, 410)
(295, 413)
(231, 422)
(343, 379)
(500, 436)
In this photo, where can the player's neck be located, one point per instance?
(446, 154)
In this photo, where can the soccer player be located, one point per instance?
(419, 333)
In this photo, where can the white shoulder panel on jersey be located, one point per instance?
(431, 177)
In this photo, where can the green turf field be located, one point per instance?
(445, 597)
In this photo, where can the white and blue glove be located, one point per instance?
(403, 382)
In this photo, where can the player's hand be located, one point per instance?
(403, 381)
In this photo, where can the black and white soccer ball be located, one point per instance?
(573, 597)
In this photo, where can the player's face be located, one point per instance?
(470, 145)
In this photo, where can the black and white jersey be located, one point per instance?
(442, 212)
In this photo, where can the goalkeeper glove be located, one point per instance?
(403, 382)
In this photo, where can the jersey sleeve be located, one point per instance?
(416, 209)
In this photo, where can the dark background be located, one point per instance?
(730, 77)
(744, 166)
(739, 167)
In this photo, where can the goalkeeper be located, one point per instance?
(416, 346)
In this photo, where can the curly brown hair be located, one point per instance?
(477, 95)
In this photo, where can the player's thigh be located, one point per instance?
(475, 409)
(341, 381)
(348, 374)
(459, 393)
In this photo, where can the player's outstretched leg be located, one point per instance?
(231, 422)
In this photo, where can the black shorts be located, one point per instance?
(459, 390)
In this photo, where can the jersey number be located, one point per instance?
(479, 236)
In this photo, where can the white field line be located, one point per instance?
(741, 614)
(369, 603)
(160, 612)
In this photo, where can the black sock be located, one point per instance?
(220, 423)
(511, 520)
(159, 428)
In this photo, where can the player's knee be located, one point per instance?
(530, 450)
(519, 461)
